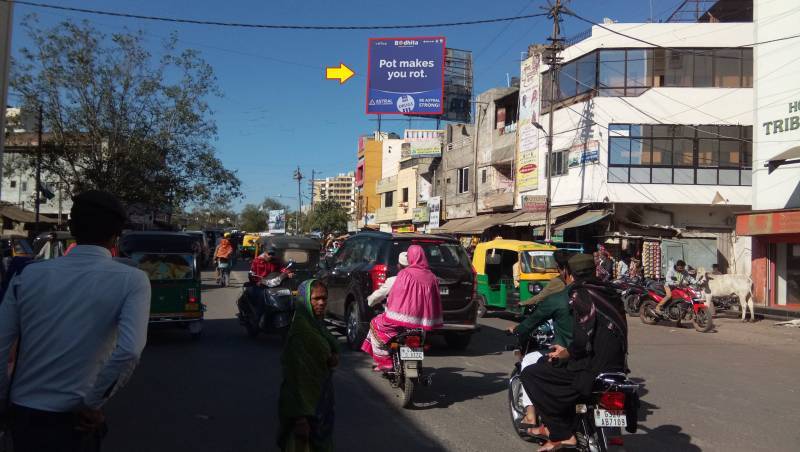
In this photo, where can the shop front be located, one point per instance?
(776, 256)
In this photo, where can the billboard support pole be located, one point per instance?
(553, 59)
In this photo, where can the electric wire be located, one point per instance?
(270, 26)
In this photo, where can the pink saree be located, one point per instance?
(413, 303)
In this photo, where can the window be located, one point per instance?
(13, 184)
(24, 186)
(463, 180)
(388, 199)
(558, 163)
(612, 73)
(483, 176)
(680, 154)
(703, 68)
(405, 194)
(728, 68)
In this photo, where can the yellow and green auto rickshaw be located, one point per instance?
(170, 260)
(250, 245)
(494, 264)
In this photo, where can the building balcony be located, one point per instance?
(386, 215)
(495, 200)
(386, 184)
(503, 145)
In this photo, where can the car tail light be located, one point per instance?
(378, 275)
(413, 341)
(616, 441)
(613, 400)
(474, 283)
(191, 296)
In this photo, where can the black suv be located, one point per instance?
(366, 259)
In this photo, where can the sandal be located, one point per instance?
(551, 446)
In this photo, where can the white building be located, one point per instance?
(651, 141)
(774, 223)
(341, 188)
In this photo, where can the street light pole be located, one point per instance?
(553, 59)
(39, 168)
(298, 176)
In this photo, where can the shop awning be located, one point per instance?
(475, 225)
(584, 219)
(787, 157)
(451, 226)
(18, 215)
(538, 218)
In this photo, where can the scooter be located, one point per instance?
(266, 308)
(685, 304)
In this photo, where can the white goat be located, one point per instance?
(728, 285)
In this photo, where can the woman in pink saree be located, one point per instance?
(413, 303)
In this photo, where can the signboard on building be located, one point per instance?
(584, 154)
(421, 215)
(534, 203)
(276, 221)
(527, 177)
(406, 76)
(434, 209)
(422, 135)
(426, 148)
(404, 228)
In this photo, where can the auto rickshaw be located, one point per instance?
(50, 245)
(302, 252)
(494, 263)
(171, 262)
(15, 245)
(250, 245)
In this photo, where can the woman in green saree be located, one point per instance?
(305, 406)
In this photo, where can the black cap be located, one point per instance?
(272, 250)
(561, 257)
(97, 202)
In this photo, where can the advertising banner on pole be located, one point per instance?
(406, 76)
(584, 153)
(276, 223)
(434, 208)
(527, 133)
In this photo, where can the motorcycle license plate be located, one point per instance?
(610, 418)
(411, 354)
(444, 290)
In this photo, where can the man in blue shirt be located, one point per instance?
(80, 322)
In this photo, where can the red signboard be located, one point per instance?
(534, 203)
(778, 222)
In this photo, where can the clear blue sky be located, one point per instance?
(278, 111)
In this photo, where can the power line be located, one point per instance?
(270, 26)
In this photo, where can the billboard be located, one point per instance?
(434, 209)
(406, 76)
(276, 222)
(527, 134)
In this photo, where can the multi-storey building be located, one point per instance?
(652, 140)
(341, 188)
(774, 223)
(368, 173)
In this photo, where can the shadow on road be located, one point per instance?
(453, 385)
(220, 394)
(666, 438)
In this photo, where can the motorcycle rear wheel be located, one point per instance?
(702, 321)
(647, 312)
(407, 396)
(630, 303)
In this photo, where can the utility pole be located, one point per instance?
(6, 10)
(553, 59)
(313, 188)
(298, 176)
(39, 168)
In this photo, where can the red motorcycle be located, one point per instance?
(686, 304)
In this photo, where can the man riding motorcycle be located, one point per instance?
(266, 264)
(676, 276)
(600, 341)
(552, 305)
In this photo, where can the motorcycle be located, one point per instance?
(266, 308)
(223, 272)
(686, 304)
(407, 351)
(540, 341)
(613, 404)
(631, 291)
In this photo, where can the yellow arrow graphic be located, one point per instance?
(341, 73)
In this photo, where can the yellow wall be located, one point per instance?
(373, 156)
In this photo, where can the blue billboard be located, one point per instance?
(406, 76)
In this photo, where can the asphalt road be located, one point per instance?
(733, 390)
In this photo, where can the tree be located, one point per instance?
(119, 120)
(328, 216)
(252, 218)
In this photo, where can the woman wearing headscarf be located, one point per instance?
(305, 405)
(413, 303)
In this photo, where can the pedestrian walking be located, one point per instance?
(305, 405)
(80, 322)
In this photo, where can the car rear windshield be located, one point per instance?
(439, 254)
(21, 246)
(538, 262)
(165, 267)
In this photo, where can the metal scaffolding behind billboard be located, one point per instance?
(458, 86)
